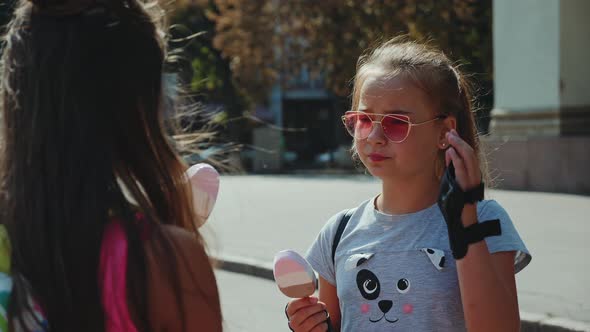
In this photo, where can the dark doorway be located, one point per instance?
(321, 123)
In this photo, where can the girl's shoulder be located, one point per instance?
(491, 209)
(510, 239)
(183, 251)
(355, 212)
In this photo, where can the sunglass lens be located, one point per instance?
(358, 125)
(394, 128)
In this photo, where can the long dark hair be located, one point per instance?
(82, 108)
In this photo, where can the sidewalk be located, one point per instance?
(250, 304)
(257, 216)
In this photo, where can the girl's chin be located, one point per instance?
(382, 170)
(379, 173)
(379, 170)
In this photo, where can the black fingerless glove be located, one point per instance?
(451, 201)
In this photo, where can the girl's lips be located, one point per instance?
(375, 157)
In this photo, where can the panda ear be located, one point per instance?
(357, 260)
(436, 256)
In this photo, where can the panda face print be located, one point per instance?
(386, 295)
(369, 287)
(378, 304)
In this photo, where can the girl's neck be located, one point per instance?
(403, 196)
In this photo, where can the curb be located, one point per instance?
(242, 265)
(530, 322)
(540, 323)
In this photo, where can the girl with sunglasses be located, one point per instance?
(427, 253)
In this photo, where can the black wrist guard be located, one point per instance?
(451, 201)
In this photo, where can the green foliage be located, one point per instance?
(201, 67)
(206, 74)
(262, 38)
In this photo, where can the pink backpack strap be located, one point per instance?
(113, 276)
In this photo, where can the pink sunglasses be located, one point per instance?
(396, 127)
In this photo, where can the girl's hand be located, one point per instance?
(307, 315)
(465, 160)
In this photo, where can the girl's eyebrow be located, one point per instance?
(395, 111)
(398, 112)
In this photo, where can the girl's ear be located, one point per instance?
(448, 123)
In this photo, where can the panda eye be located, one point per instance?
(403, 285)
(368, 284)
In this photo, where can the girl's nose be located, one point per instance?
(376, 136)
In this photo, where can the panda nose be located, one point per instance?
(385, 305)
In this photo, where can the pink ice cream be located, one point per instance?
(204, 181)
(294, 275)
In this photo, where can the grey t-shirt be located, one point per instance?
(397, 272)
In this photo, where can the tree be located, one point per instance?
(245, 35)
(270, 39)
(6, 9)
(200, 66)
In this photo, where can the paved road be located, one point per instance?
(250, 304)
(256, 216)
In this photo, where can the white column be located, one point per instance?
(541, 67)
(540, 129)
